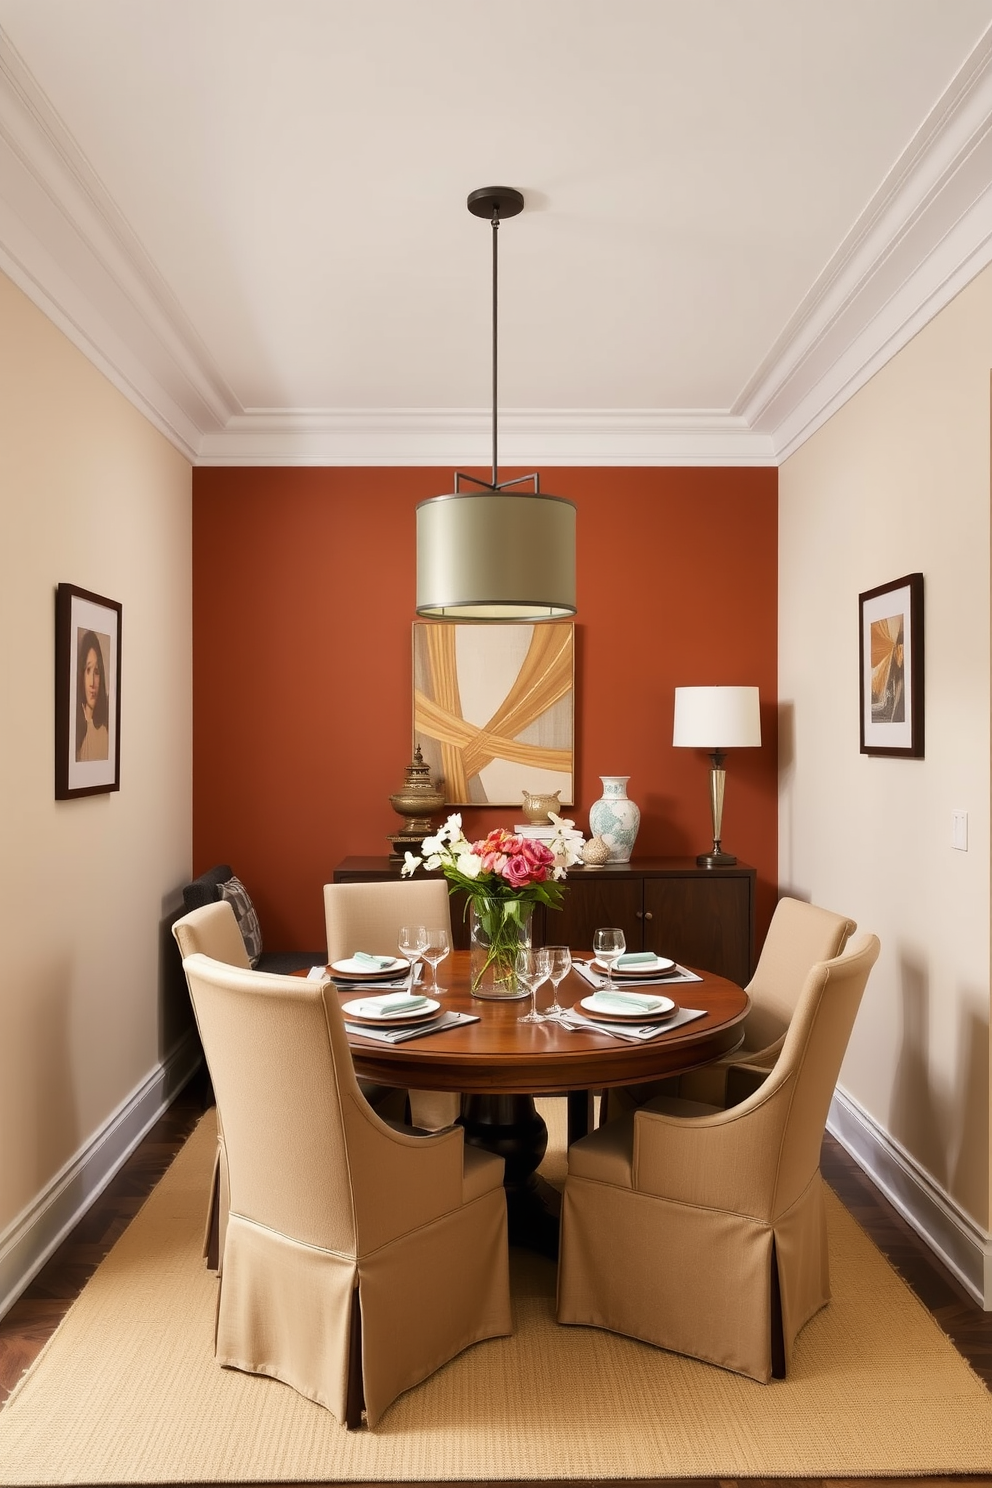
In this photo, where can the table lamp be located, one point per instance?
(717, 719)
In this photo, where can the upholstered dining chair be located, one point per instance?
(704, 1230)
(213, 931)
(359, 1258)
(368, 917)
(799, 936)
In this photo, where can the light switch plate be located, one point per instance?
(959, 830)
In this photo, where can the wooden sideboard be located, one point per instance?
(700, 916)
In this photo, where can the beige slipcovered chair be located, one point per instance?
(213, 931)
(798, 937)
(368, 917)
(358, 1258)
(703, 1230)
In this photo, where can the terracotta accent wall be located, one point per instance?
(303, 600)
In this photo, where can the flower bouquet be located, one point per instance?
(503, 876)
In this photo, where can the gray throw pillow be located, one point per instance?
(239, 899)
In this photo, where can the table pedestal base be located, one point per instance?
(510, 1126)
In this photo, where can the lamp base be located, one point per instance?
(716, 860)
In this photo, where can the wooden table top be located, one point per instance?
(502, 1056)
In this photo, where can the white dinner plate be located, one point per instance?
(660, 966)
(588, 1006)
(353, 1012)
(355, 971)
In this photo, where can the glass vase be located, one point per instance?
(498, 929)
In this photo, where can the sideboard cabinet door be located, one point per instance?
(593, 903)
(703, 922)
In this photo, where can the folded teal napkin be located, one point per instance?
(374, 963)
(392, 1006)
(637, 958)
(626, 1002)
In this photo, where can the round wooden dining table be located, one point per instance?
(498, 1064)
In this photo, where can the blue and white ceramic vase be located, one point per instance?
(615, 818)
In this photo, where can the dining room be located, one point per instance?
(267, 717)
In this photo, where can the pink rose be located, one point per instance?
(517, 871)
(536, 853)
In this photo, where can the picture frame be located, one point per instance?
(891, 668)
(87, 693)
(493, 709)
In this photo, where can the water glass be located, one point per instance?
(561, 965)
(412, 942)
(609, 945)
(438, 946)
(533, 967)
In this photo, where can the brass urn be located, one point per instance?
(417, 799)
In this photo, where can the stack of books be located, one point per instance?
(545, 833)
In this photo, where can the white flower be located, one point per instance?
(434, 861)
(469, 865)
(432, 844)
(449, 831)
(410, 864)
(564, 845)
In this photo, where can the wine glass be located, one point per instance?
(412, 942)
(438, 946)
(533, 967)
(561, 965)
(609, 945)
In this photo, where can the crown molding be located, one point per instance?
(64, 242)
(924, 235)
(463, 436)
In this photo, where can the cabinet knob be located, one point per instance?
(648, 915)
(638, 914)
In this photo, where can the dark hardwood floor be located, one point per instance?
(37, 1313)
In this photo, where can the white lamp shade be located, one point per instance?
(717, 718)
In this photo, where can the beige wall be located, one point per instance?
(90, 494)
(898, 481)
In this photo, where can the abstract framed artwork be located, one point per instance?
(87, 693)
(891, 657)
(493, 709)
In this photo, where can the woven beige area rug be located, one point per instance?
(127, 1391)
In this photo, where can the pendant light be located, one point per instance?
(496, 553)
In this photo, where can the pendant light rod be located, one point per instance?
(495, 323)
(495, 203)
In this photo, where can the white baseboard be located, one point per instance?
(28, 1242)
(964, 1248)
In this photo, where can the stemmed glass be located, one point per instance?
(533, 967)
(412, 942)
(561, 965)
(438, 946)
(609, 945)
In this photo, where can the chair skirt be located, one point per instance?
(698, 1281)
(285, 1309)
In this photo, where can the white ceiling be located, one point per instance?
(251, 214)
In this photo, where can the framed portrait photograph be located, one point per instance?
(87, 693)
(891, 653)
(493, 709)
